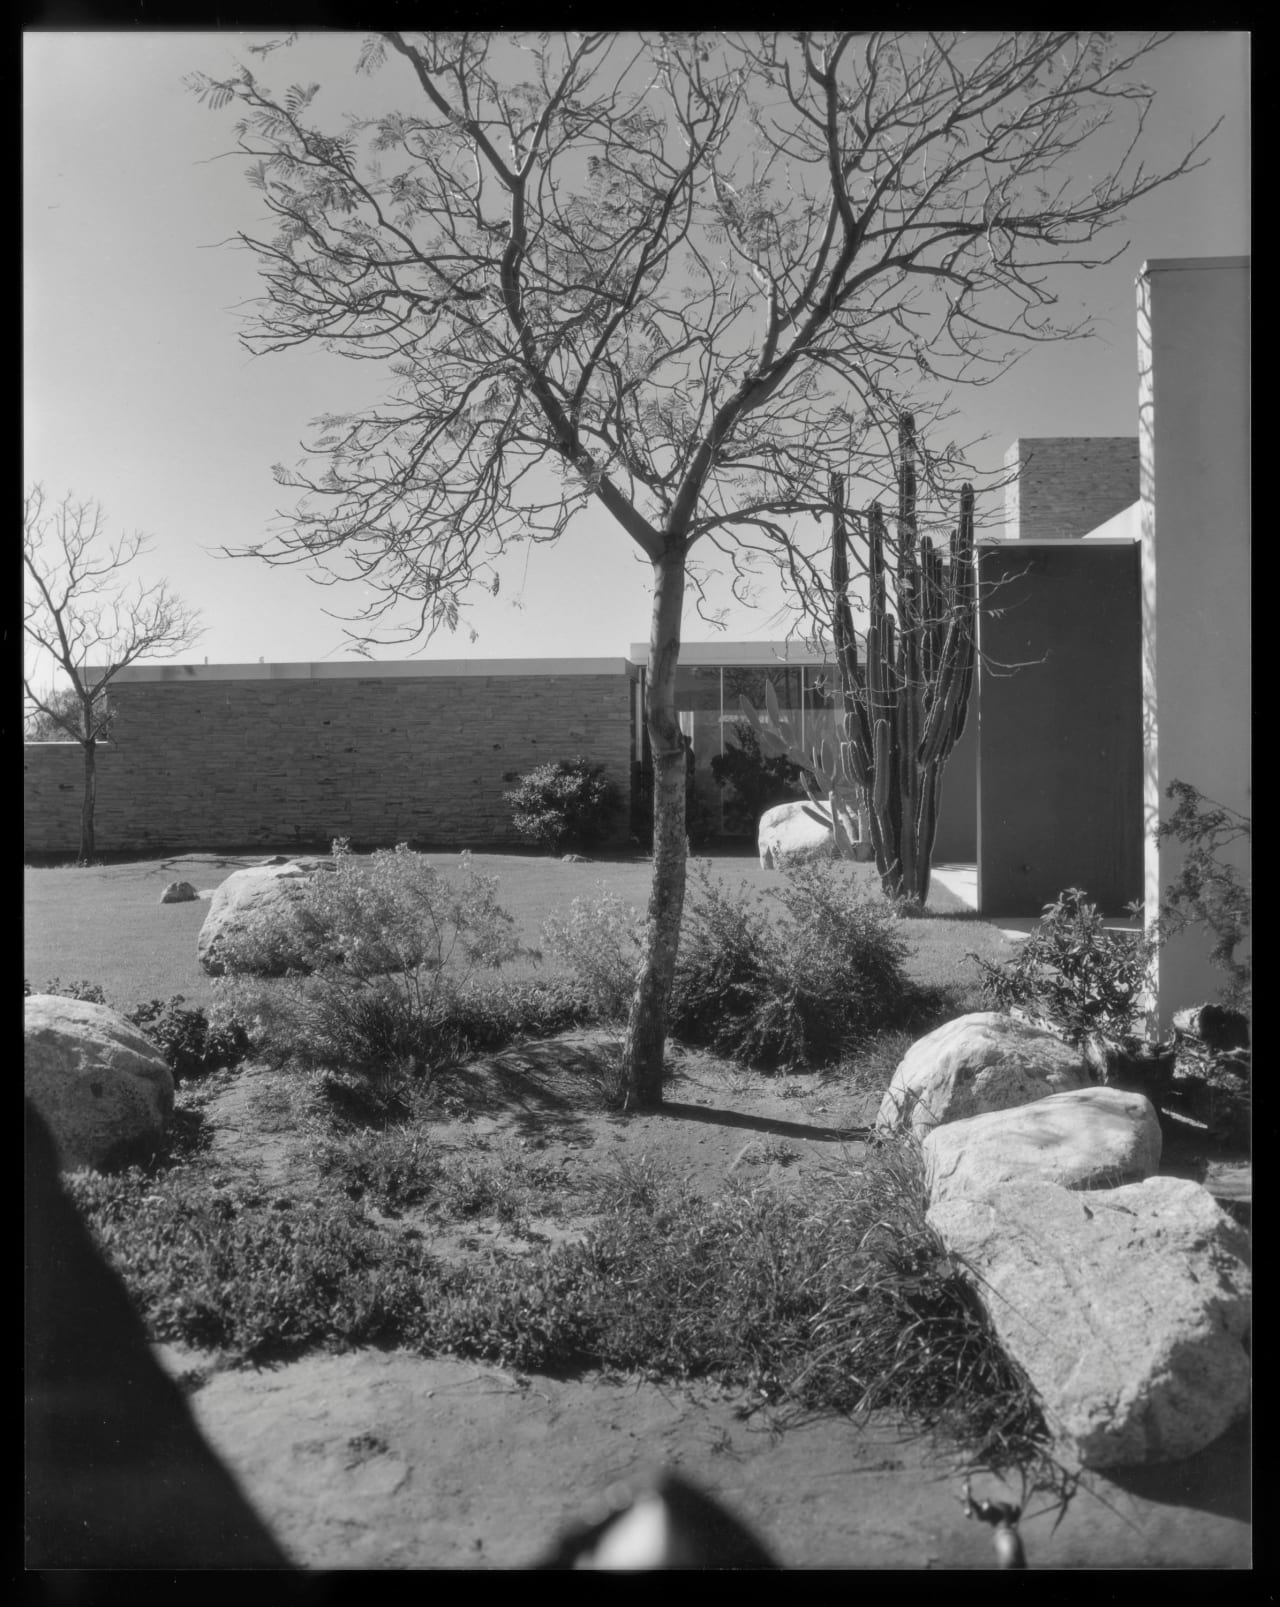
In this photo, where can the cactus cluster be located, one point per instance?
(903, 711)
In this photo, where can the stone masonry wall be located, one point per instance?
(1068, 485)
(206, 764)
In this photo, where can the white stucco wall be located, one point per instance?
(1193, 358)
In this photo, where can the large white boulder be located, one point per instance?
(102, 1088)
(978, 1063)
(247, 898)
(794, 833)
(1127, 1308)
(1089, 1138)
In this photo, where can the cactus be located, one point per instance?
(902, 712)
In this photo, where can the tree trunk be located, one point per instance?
(647, 1026)
(89, 800)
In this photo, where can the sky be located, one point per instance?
(138, 394)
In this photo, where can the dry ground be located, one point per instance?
(385, 1460)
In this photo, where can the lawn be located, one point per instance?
(105, 924)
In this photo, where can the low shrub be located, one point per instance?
(755, 783)
(1084, 978)
(191, 1045)
(388, 944)
(570, 803)
(600, 940)
(392, 1170)
(798, 989)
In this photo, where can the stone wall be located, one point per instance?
(1068, 485)
(205, 761)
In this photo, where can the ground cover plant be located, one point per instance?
(837, 1298)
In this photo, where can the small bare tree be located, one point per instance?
(677, 278)
(80, 611)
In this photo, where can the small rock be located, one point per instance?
(179, 893)
(978, 1063)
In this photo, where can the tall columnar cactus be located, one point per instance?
(902, 712)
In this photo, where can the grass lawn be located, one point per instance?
(105, 924)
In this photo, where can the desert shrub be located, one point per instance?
(755, 783)
(481, 1017)
(600, 940)
(1209, 891)
(388, 943)
(393, 1170)
(191, 1046)
(803, 987)
(568, 803)
(1082, 977)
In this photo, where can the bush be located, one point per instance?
(190, 1045)
(1082, 977)
(800, 989)
(755, 783)
(388, 942)
(601, 942)
(568, 803)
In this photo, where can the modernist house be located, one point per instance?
(1115, 662)
(240, 756)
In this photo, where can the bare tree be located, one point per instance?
(80, 611)
(678, 277)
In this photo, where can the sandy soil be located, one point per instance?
(384, 1460)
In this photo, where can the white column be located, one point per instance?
(1193, 414)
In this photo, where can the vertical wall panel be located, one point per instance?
(1060, 737)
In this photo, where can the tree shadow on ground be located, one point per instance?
(677, 1111)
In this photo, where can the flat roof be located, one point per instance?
(734, 653)
(1190, 264)
(371, 670)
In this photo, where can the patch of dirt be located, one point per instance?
(385, 1460)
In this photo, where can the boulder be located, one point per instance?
(101, 1086)
(794, 832)
(243, 898)
(1127, 1308)
(1089, 1138)
(179, 893)
(978, 1063)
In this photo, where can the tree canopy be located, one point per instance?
(681, 277)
